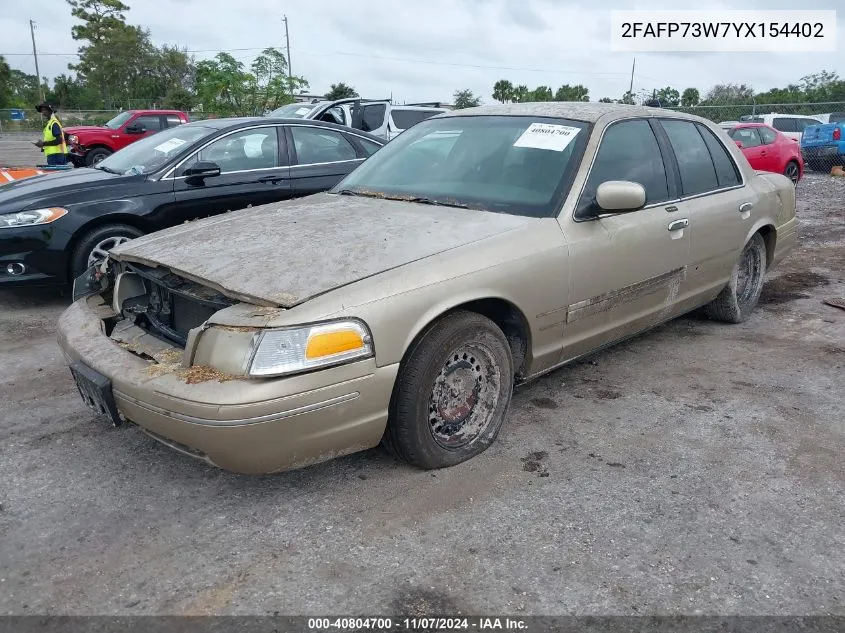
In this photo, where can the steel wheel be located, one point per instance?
(101, 249)
(464, 396)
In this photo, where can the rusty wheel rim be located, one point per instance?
(464, 396)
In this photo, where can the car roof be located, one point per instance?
(576, 111)
(238, 122)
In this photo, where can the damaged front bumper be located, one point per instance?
(241, 425)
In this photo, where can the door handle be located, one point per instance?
(677, 225)
(745, 207)
(273, 179)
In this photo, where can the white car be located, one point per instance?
(791, 125)
(378, 117)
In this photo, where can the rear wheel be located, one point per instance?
(95, 245)
(738, 299)
(452, 393)
(792, 171)
(96, 155)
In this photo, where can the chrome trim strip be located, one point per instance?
(271, 417)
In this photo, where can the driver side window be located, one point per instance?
(628, 151)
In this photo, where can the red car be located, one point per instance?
(88, 145)
(769, 150)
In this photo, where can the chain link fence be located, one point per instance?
(755, 111)
(27, 121)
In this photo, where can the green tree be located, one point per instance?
(572, 93)
(225, 87)
(728, 94)
(465, 99)
(606, 100)
(5, 82)
(503, 91)
(521, 93)
(341, 91)
(541, 93)
(629, 98)
(668, 97)
(690, 97)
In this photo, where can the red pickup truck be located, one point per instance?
(88, 145)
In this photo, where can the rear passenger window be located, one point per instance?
(173, 120)
(628, 151)
(769, 136)
(726, 171)
(786, 124)
(748, 136)
(698, 174)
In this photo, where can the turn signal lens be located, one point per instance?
(307, 347)
(322, 344)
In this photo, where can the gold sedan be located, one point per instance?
(479, 249)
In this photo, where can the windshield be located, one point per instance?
(151, 153)
(509, 164)
(119, 120)
(292, 111)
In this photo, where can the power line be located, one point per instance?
(409, 60)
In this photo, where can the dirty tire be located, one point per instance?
(95, 155)
(738, 299)
(89, 241)
(452, 393)
(792, 171)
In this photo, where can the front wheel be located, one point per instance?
(738, 299)
(95, 245)
(452, 393)
(96, 155)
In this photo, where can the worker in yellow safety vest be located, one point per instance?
(53, 140)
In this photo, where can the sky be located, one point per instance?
(424, 50)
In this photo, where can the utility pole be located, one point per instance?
(35, 54)
(287, 43)
(633, 66)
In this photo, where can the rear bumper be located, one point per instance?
(247, 426)
(822, 152)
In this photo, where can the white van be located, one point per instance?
(792, 125)
(378, 117)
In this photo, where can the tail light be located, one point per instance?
(837, 134)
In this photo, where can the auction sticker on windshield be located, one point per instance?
(547, 136)
(169, 145)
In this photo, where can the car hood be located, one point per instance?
(286, 253)
(82, 129)
(53, 188)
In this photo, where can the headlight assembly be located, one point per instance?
(302, 348)
(32, 217)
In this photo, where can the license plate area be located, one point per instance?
(96, 391)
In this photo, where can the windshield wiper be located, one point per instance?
(353, 192)
(438, 203)
(105, 169)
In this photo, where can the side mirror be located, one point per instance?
(739, 144)
(203, 169)
(135, 129)
(620, 196)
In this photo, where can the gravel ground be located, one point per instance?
(695, 469)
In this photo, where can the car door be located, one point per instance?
(752, 145)
(625, 269)
(320, 157)
(374, 119)
(254, 170)
(774, 159)
(716, 202)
